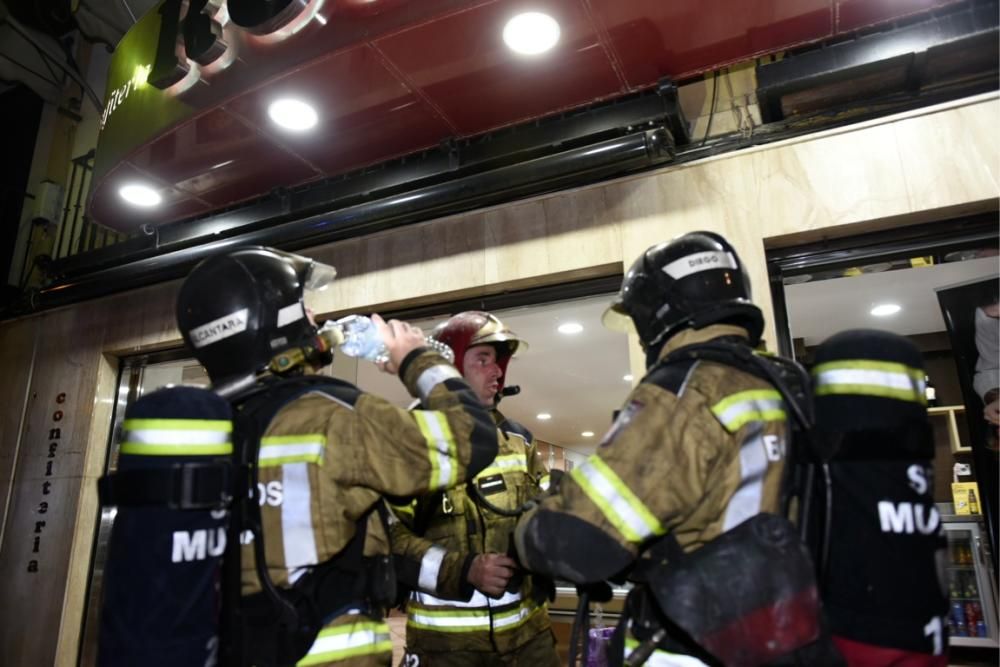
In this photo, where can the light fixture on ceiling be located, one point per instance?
(588, 434)
(531, 33)
(627, 378)
(140, 195)
(543, 416)
(292, 114)
(885, 309)
(570, 328)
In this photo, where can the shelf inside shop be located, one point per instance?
(949, 412)
(982, 642)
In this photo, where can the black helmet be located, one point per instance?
(242, 310)
(690, 282)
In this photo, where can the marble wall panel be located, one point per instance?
(57, 437)
(18, 340)
(950, 157)
(835, 180)
(550, 235)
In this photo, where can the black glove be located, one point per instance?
(542, 589)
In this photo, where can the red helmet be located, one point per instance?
(474, 327)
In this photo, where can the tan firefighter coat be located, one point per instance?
(324, 462)
(697, 448)
(436, 538)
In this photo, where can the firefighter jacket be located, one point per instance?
(697, 448)
(325, 461)
(436, 539)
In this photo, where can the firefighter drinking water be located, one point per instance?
(317, 456)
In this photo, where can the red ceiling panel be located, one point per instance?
(366, 113)
(391, 78)
(854, 14)
(107, 206)
(219, 158)
(462, 64)
(653, 38)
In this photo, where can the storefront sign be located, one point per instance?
(196, 39)
(45, 488)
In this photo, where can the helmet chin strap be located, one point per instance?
(297, 358)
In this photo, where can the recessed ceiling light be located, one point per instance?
(885, 309)
(588, 434)
(140, 195)
(570, 328)
(543, 416)
(292, 114)
(531, 33)
(627, 378)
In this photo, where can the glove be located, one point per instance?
(542, 589)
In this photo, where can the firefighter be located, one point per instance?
(326, 455)
(471, 604)
(884, 584)
(698, 448)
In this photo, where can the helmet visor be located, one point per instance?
(315, 279)
(616, 319)
(319, 276)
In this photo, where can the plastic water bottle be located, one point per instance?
(358, 336)
(362, 338)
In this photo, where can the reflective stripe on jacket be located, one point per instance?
(444, 612)
(698, 448)
(325, 459)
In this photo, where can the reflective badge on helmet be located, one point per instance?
(218, 329)
(700, 261)
(623, 418)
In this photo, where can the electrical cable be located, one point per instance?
(74, 74)
(711, 109)
(28, 69)
(129, 10)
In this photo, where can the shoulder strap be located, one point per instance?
(792, 382)
(787, 376)
(252, 414)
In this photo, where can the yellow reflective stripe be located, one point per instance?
(457, 621)
(864, 377)
(281, 449)
(408, 509)
(755, 405)
(223, 425)
(504, 464)
(661, 658)
(441, 448)
(347, 641)
(177, 437)
(544, 482)
(620, 506)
